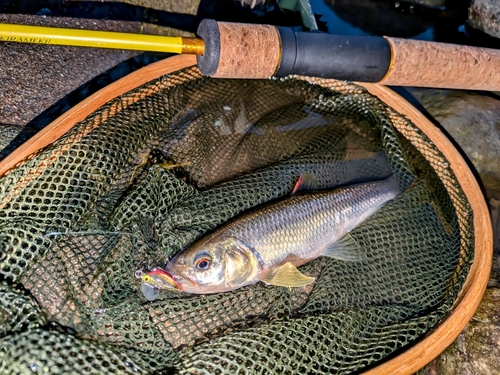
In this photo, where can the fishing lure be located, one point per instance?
(154, 281)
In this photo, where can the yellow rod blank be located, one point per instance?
(99, 39)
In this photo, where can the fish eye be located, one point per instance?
(202, 260)
(202, 263)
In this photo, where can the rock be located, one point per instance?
(7, 134)
(473, 121)
(494, 204)
(174, 6)
(34, 77)
(379, 17)
(182, 12)
(476, 350)
(484, 15)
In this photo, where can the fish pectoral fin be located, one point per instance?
(346, 249)
(287, 275)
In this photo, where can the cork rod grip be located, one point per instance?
(431, 64)
(234, 50)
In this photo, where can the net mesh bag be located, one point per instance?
(160, 166)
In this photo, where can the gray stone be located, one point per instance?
(476, 350)
(34, 77)
(184, 7)
(473, 121)
(484, 15)
(7, 134)
(174, 6)
(379, 17)
(494, 204)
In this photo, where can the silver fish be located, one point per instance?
(269, 243)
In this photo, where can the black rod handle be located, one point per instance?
(355, 58)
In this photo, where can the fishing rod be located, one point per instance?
(233, 50)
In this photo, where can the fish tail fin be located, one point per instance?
(394, 185)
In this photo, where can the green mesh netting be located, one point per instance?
(154, 169)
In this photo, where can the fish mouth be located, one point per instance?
(184, 280)
(177, 279)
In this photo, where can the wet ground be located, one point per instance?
(38, 83)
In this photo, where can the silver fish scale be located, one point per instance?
(303, 226)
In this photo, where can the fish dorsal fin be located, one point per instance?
(346, 249)
(287, 275)
(306, 181)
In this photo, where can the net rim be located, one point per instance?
(429, 347)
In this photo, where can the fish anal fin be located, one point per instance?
(346, 249)
(287, 275)
(306, 181)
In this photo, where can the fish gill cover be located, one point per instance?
(157, 168)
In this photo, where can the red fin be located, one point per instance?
(306, 181)
(296, 188)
